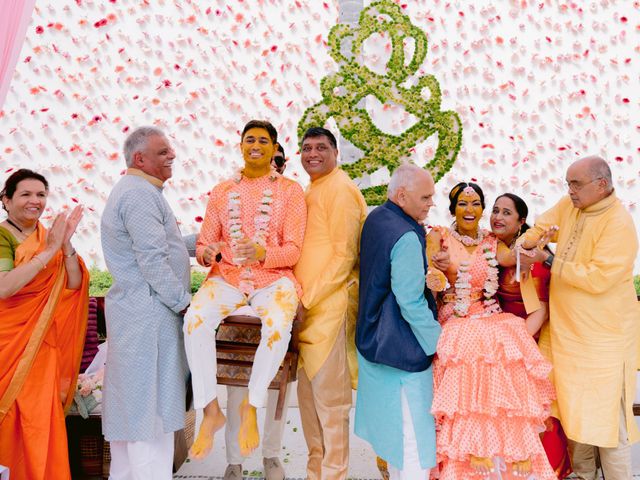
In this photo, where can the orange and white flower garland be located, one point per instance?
(491, 284)
(463, 287)
(261, 232)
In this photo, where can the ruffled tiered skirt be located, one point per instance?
(492, 396)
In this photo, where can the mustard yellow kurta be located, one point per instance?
(335, 213)
(593, 328)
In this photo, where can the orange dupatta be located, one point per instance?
(27, 316)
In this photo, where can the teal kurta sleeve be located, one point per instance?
(408, 284)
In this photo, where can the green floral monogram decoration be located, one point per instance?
(344, 90)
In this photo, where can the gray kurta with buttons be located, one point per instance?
(146, 368)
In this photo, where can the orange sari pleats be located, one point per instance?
(42, 334)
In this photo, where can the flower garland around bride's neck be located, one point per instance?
(466, 240)
(490, 287)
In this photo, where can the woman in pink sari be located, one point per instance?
(492, 392)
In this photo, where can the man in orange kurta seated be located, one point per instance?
(256, 222)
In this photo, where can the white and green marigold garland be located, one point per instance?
(343, 91)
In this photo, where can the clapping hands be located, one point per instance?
(63, 228)
(72, 223)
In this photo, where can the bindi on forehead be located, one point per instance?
(470, 198)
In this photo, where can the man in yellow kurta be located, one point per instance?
(335, 212)
(593, 328)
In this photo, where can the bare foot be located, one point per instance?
(482, 465)
(383, 467)
(248, 436)
(212, 421)
(521, 468)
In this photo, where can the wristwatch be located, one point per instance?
(549, 261)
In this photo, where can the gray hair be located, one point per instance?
(403, 176)
(137, 141)
(599, 168)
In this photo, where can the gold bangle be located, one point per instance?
(44, 265)
(69, 255)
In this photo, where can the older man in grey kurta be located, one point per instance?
(146, 370)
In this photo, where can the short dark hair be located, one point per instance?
(280, 161)
(455, 192)
(271, 130)
(320, 132)
(11, 184)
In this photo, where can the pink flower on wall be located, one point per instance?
(536, 84)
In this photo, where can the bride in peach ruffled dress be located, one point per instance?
(492, 392)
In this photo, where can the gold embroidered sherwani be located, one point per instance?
(593, 330)
(336, 210)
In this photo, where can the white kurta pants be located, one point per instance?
(411, 469)
(143, 460)
(276, 306)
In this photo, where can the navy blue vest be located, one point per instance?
(382, 335)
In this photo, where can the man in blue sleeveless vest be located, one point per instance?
(397, 331)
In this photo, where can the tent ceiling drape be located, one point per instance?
(14, 19)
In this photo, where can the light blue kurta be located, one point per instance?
(146, 370)
(378, 404)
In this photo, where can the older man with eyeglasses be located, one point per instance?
(592, 335)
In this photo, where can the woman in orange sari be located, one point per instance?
(508, 222)
(43, 314)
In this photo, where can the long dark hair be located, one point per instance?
(458, 189)
(11, 184)
(523, 211)
(521, 208)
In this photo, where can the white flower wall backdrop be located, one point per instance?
(536, 85)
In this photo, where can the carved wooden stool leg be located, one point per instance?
(282, 388)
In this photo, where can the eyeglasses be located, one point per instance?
(575, 186)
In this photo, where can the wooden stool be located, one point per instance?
(237, 339)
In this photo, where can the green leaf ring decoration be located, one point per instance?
(343, 91)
